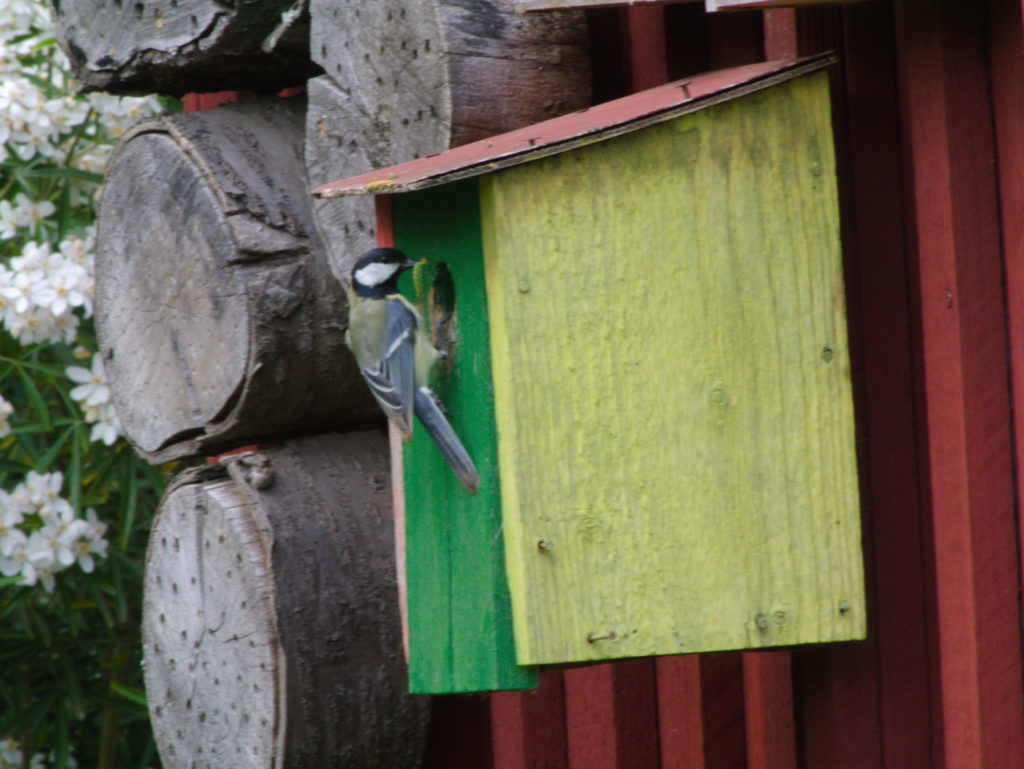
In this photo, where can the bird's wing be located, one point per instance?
(432, 418)
(391, 378)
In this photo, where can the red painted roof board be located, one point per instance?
(602, 121)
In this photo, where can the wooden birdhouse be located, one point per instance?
(648, 359)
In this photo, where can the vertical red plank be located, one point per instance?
(459, 735)
(645, 31)
(868, 704)
(680, 712)
(779, 33)
(610, 716)
(768, 706)
(949, 150)
(529, 727)
(899, 631)
(385, 221)
(721, 683)
(386, 238)
(735, 38)
(196, 102)
(1007, 62)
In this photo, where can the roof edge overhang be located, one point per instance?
(586, 126)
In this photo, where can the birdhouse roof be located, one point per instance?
(585, 126)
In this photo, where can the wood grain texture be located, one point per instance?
(403, 80)
(270, 629)
(681, 282)
(179, 46)
(218, 319)
(460, 626)
(948, 149)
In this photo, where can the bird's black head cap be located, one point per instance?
(375, 273)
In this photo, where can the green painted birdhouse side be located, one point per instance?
(649, 363)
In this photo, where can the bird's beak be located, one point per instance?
(409, 263)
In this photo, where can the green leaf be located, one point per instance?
(129, 502)
(57, 172)
(47, 460)
(75, 470)
(130, 693)
(33, 394)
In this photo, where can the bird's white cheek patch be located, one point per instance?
(375, 274)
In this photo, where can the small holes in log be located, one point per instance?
(139, 10)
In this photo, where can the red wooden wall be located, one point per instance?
(929, 120)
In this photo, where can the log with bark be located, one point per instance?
(180, 46)
(218, 319)
(405, 80)
(270, 630)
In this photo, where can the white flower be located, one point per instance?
(43, 489)
(107, 427)
(8, 218)
(12, 540)
(61, 539)
(6, 409)
(92, 389)
(17, 290)
(92, 542)
(19, 563)
(64, 289)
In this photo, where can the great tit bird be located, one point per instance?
(395, 355)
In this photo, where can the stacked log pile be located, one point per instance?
(271, 623)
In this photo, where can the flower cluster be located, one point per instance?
(36, 112)
(40, 534)
(41, 288)
(94, 395)
(12, 757)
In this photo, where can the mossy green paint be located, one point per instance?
(460, 626)
(672, 387)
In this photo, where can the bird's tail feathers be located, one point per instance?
(455, 454)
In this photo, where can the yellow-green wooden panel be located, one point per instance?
(672, 387)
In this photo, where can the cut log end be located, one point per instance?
(271, 627)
